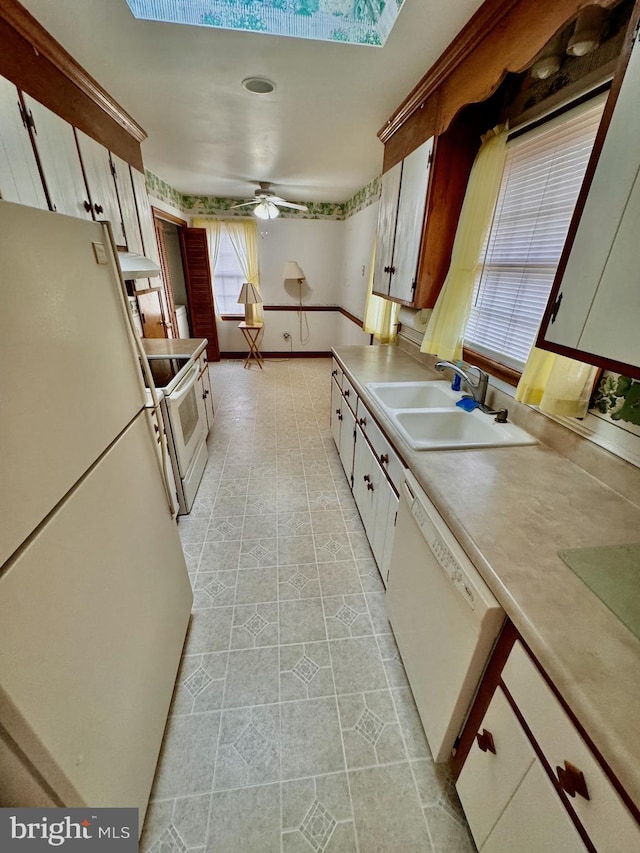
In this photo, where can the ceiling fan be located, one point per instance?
(266, 205)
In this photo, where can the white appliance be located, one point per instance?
(94, 592)
(183, 412)
(444, 617)
(183, 323)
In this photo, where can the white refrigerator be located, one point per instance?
(94, 592)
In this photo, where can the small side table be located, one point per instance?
(251, 332)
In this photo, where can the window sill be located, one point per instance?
(507, 374)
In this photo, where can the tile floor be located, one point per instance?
(292, 726)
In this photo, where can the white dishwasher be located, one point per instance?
(444, 616)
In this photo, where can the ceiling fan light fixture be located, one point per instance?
(258, 85)
(266, 210)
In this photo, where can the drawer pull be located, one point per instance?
(384, 458)
(362, 421)
(485, 741)
(572, 780)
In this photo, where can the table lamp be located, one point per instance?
(249, 297)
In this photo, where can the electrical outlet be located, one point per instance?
(286, 335)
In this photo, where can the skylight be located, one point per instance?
(367, 22)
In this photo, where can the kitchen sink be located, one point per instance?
(450, 429)
(414, 395)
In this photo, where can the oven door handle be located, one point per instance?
(185, 386)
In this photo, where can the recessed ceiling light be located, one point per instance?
(258, 85)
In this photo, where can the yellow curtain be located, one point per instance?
(380, 315)
(243, 234)
(558, 385)
(445, 331)
(213, 227)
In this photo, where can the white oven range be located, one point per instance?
(182, 406)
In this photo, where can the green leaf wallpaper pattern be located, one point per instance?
(366, 22)
(216, 206)
(618, 397)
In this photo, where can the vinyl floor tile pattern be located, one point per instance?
(292, 727)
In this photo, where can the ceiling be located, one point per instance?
(314, 137)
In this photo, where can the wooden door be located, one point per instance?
(166, 275)
(197, 273)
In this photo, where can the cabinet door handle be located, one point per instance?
(366, 478)
(387, 269)
(346, 393)
(572, 780)
(370, 487)
(87, 206)
(392, 270)
(339, 415)
(337, 411)
(485, 741)
(98, 208)
(334, 372)
(384, 458)
(362, 421)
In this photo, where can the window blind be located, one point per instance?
(227, 277)
(543, 173)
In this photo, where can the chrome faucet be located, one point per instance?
(477, 387)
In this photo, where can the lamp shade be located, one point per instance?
(266, 210)
(292, 270)
(249, 294)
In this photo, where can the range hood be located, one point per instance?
(137, 266)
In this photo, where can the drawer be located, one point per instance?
(488, 779)
(605, 817)
(350, 394)
(381, 447)
(336, 372)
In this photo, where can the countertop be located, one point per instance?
(512, 509)
(173, 347)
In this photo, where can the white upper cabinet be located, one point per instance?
(145, 216)
(387, 216)
(598, 300)
(400, 224)
(20, 179)
(60, 161)
(127, 204)
(102, 187)
(411, 205)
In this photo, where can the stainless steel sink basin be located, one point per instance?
(450, 429)
(414, 395)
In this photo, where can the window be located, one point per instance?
(543, 173)
(227, 277)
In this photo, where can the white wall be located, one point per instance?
(359, 234)
(332, 255)
(317, 245)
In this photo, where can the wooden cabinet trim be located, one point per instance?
(483, 51)
(43, 42)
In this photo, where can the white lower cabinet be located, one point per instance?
(511, 779)
(508, 799)
(369, 464)
(347, 422)
(535, 821)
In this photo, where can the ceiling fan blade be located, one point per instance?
(282, 203)
(246, 203)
